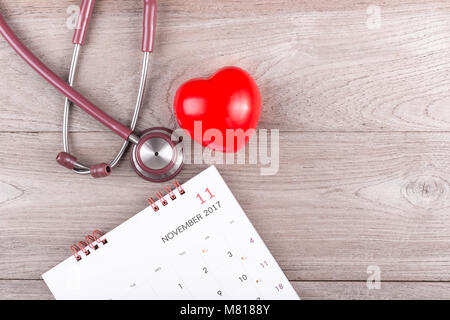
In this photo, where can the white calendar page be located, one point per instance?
(200, 246)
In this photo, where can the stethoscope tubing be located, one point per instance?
(73, 95)
(79, 167)
(150, 157)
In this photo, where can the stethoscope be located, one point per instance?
(156, 154)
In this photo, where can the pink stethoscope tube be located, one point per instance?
(149, 27)
(73, 95)
(86, 9)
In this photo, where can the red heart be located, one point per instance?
(230, 99)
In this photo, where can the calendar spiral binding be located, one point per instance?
(91, 242)
(169, 192)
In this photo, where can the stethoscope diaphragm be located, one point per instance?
(158, 156)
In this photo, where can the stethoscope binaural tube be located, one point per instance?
(155, 167)
(103, 170)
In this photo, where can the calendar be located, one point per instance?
(194, 241)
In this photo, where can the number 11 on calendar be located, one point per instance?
(208, 193)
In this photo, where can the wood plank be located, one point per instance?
(35, 7)
(341, 290)
(340, 203)
(24, 290)
(309, 290)
(318, 65)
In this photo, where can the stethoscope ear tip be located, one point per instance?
(66, 160)
(101, 170)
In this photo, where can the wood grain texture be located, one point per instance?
(364, 115)
(343, 201)
(341, 290)
(318, 65)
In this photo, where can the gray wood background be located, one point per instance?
(364, 115)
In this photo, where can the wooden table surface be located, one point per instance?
(363, 109)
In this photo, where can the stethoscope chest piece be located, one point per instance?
(157, 157)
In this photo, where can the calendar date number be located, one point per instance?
(207, 195)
